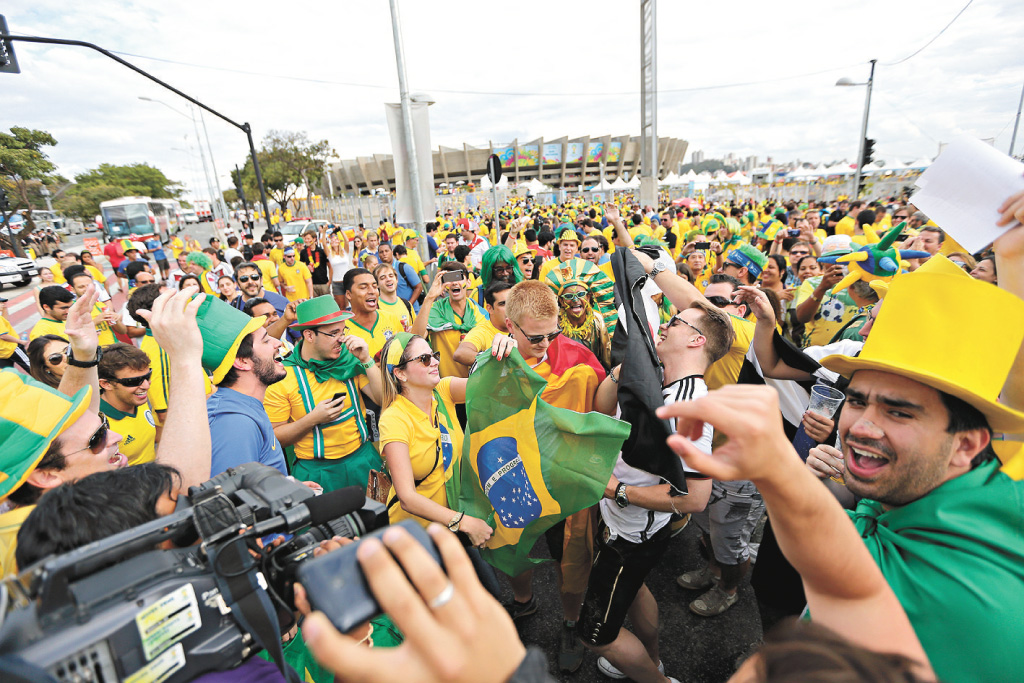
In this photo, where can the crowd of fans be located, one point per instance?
(340, 356)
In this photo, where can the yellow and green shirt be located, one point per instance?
(137, 430)
(7, 348)
(294, 276)
(386, 327)
(48, 326)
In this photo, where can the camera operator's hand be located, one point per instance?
(477, 529)
(468, 638)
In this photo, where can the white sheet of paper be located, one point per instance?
(963, 188)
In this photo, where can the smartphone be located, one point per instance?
(793, 232)
(702, 245)
(336, 586)
(452, 276)
(340, 394)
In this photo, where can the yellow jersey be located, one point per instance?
(6, 347)
(384, 328)
(160, 364)
(48, 326)
(399, 310)
(137, 430)
(10, 522)
(727, 369)
(103, 331)
(269, 272)
(432, 450)
(285, 403)
(414, 260)
(482, 336)
(294, 276)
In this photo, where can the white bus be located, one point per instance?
(140, 216)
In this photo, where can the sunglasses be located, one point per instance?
(98, 440)
(425, 359)
(570, 297)
(900, 218)
(56, 358)
(719, 301)
(538, 338)
(132, 381)
(590, 250)
(242, 279)
(676, 320)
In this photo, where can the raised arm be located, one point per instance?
(622, 238)
(81, 332)
(845, 588)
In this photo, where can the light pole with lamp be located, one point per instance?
(844, 81)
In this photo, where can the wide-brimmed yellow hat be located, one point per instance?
(957, 335)
(936, 264)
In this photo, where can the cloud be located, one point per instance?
(575, 65)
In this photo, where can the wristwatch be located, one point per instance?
(620, 496)
(656, 270)
(83, 363)
(453, 526)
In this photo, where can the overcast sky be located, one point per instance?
(501, 70)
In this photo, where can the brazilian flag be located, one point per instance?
(527, 465)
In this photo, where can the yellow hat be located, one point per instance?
(410, 235)
(957, 335)
(520, 248)
(936, 264)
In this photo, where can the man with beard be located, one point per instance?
(250, 281)
(318, 407)
(248, 363)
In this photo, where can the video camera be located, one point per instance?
(123, 609)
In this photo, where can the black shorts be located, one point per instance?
(619, 570)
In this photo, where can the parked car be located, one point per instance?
(16, 271)
(300, 225)
(189, 215)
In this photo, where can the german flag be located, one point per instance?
(528, 465)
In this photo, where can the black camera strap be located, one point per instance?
(234, 566)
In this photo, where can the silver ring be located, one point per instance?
(444, 597)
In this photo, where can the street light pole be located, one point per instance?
(1016, 122)
(409, 139)
(863, 125)
(216, 178)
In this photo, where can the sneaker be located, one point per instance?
(518, 610)
(714, 602)
(698, 579)
(570, 649)
(609, 670)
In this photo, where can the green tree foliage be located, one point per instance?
(108, 181)
(288, 161)
(24, 167)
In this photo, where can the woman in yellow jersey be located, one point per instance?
(421, 438)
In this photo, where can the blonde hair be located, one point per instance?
(530, 298)
(715, 325)
(390, 386)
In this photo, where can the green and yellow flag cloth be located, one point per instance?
(527, 465)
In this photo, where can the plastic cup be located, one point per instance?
(825, 400)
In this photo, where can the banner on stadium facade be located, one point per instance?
(553, 153)
(595, 152)
(529, 155)
(614, 152)
(574, 152)
(507, 156)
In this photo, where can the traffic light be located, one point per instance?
(4, 204)
(869, 152)
(8, 62)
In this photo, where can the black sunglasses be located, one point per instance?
(590, 250)
(56, 358)
(538, 338)
(423, 358)
(98, 440)
(719, 301)
(245, 278)
(132, 381)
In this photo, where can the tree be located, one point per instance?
(288, 161)
(108, 181)
(23, 167)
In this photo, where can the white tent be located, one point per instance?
(535, 186)
(634, 183)
(602, 186)
(689, 175)
(839, 169)
(485, 183)
(619, 184)
(671, 179)
(739, 178)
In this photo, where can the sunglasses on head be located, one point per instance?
(98, 440)
(424, 358)
(132, 381)
(242, 279)
(538, 338)
(719, 301)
